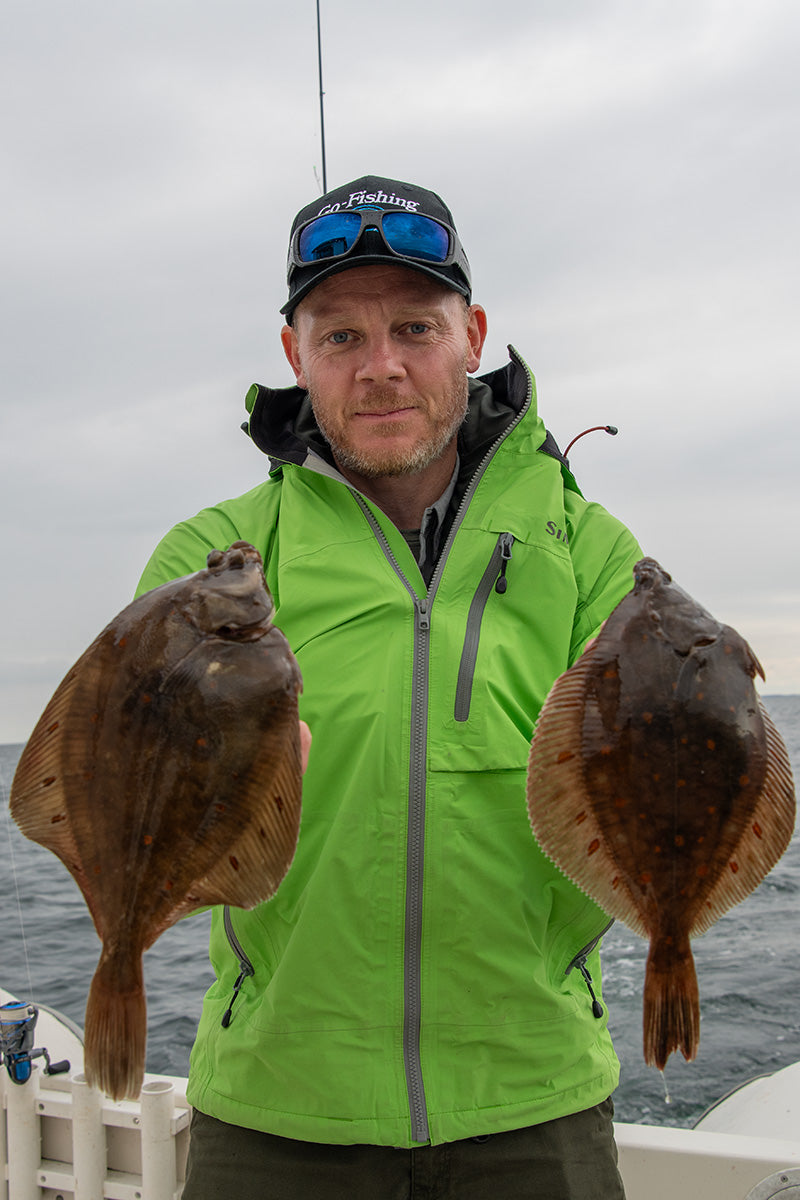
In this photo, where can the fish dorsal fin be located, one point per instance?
(39, 801)
(764, 838)
(564, 821)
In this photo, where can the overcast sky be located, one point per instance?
(624, 176)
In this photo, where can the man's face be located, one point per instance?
(384, 352)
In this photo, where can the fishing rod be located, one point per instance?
(321, 104)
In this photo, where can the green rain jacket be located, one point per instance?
(424, 973)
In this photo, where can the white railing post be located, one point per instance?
(24, 1139)
(88, 1140)
(159, 1167)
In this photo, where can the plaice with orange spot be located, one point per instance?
(661, 710)
(166, 774)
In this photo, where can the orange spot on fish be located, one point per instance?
(148, 839)
(581, 817)
(565, 756)
(279, 803)
(681, 783)
(701, 695)
(679, 839)
(711, 809)
(645, 878)
(605, 749)
(95, 718)
(727, 650)
(220, 808)
(711, 744)
(234, 862)
(702, 870)
(97, 869)
(656, 849)
(684, 740)
(201, 741)
(50, 780)
(734, 867)
(615, 883)
(744, 780)
(147, 698)
(594, 846)
(122, 641)
(168, 884)
(620, 802)
(58, 817)
(647, 717)
(52, 728)
(610, 673)
(757, 830)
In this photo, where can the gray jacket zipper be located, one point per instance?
(246, 968)
(579, 963)
(493, 577)
(415, 844)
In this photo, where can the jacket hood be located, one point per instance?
(281, 421)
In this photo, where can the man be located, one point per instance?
(416, 1011)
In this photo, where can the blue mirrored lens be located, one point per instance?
(410, 235)
(329, 236)
(416, 236)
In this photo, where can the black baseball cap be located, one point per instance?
(319, 250)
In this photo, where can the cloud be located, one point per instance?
(624, 179)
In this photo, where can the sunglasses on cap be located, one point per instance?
(411, 236)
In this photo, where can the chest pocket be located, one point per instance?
(496, 649)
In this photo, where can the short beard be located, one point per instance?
(377, 464)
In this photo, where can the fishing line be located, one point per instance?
(4, 793)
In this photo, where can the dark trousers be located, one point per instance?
(571, 1158)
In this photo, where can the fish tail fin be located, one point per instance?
(671, 1015)
(116, 1026)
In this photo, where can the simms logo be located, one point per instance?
(559, 534)
(358, 198)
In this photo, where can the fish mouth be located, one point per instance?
(244, 633)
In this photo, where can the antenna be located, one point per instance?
(321, 105)
(612, 429)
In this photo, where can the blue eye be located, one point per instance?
(340, 337)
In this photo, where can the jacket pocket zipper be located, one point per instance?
(579, 963)
(493, 577)
(246, 968)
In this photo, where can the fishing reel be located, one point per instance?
(17, 1023)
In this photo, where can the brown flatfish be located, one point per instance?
(658, 783)
(165, 773)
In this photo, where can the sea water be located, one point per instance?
(746, 965)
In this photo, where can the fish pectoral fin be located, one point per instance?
(764, 838)
(256, 862)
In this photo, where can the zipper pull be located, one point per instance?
(227, 1016)
(424, 618)
(597, 1008)
(506, 541)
